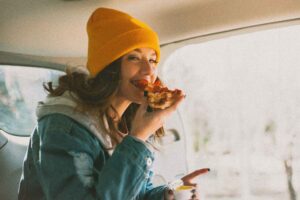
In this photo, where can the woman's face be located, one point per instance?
(136, 65)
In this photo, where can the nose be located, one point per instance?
(147, 68)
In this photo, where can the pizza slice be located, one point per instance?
(158, 96)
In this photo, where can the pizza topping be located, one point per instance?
(141, 84)
(158, 96)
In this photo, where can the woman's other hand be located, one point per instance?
(187, 180)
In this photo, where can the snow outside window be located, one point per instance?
(242, 113)
(20, 90)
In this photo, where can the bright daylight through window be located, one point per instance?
(20, 90)
(242, 113)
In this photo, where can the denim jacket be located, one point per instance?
(65, 160)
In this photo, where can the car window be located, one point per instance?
(242, 112)
(20, 90)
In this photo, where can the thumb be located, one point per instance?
(141, 109)
(143, 106)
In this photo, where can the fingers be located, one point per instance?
(199, 172)
(187, 180)
(196, 173)
(180, 99)
(164, 100)
(175, 105)
(141, 110)
(143, 105)
(170, 108)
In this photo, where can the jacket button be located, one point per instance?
(149, 162)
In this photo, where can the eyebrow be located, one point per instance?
(138, 50)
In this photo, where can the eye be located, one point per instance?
(153, 61)
(132, 57)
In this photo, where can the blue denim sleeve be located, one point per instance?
(156, 193)
(54, 160)
(66, 165)
(150, 192)
(130, 165)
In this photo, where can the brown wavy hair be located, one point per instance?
(94, 96)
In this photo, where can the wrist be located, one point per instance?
(137, 138)
(139, 135)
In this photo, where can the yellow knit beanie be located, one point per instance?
(112, 34)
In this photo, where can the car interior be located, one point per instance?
(38, 39)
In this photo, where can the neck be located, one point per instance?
(120, 105)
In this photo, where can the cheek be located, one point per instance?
(126, 88)
(128, 70)
(129, 92)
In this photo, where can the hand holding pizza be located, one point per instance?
(162, 102)
(158, 96)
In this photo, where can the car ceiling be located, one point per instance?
(51, 33)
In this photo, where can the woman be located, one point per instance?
(93, 135)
